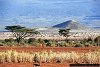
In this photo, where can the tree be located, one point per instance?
(14, 28)
(20, 32)
(64, 32)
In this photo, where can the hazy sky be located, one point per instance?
(48, 12)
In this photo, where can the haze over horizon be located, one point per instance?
(48, 12)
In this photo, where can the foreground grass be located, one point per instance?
(57, 57)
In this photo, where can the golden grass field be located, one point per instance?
(47, 57)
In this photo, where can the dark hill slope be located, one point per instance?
(71, 24)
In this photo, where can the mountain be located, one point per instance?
(97, 27)
(71, 24)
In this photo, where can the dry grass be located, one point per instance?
(70, 57)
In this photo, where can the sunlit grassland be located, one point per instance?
(47, 57)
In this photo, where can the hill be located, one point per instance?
(71, 24)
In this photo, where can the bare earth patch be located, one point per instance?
(55, 49)
(32, 65)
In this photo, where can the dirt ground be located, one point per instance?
(55, 49)
(32, 65)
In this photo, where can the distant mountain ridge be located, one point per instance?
(71, 24)
(97, 27)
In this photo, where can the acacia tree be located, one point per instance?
(64, 32)
(20, 32)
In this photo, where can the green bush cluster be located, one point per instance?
(89, 42)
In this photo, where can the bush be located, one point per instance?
(87, 44)
(10, 40)
(62, 43)
(78, 45)
(1, 43)
(71, 43)
(31, 40)
(89, 39)
(97, 39)
(53, 43)
(47, 42)
(41, 41)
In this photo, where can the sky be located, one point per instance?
(44, 13)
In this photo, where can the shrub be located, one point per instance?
(87, 44)
(1, 43)
(53, 43)
(89, 39)
(97, 40)
(31, 40)
(78, 45)
(62, 43)
(9, 40)
(41, 41)
(47, 42)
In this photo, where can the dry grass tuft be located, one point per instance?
(70, 57)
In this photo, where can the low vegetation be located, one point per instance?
(21, 33)
(48, 57)
(52, 43)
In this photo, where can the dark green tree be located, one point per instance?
(20, 33)
(64, 32)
